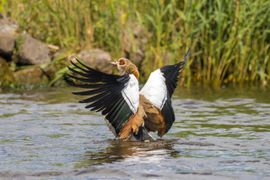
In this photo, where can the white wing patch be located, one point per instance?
(131, 93)
(155, 89)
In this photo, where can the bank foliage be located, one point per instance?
(229, 39)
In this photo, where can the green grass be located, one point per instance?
(229, 39)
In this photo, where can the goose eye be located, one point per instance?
(121, 62)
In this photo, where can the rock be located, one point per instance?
(7, 43)
(8, 26)
(8, 35)
(6, 75)
(97, 59)
(32, 51)
(32, 75)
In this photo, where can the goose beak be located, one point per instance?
(113, 63)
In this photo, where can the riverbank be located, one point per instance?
(226, 49)
(26, 62)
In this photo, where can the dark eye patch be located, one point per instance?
(121, 62)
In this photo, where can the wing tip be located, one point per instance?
(73, 59)
(186, 56)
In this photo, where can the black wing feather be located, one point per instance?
(168, 113)
(171, 74)
(104, 91)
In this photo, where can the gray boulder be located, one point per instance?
(32, 51)
(7, 43)
(97, 59)
(8, 35)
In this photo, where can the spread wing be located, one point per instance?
(160, 87)
(116, 97)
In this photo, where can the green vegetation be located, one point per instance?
(229, 39)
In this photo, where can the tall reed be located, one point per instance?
(229, 39)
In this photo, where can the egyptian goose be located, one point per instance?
(130, 113)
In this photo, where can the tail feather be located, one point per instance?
(143, 135)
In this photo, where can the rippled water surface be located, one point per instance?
(221, 134)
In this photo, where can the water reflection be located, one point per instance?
(118, 151)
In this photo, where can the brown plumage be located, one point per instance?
(154, 120)
(126, 66)
(133, 124)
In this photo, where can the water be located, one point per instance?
(221, 134)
